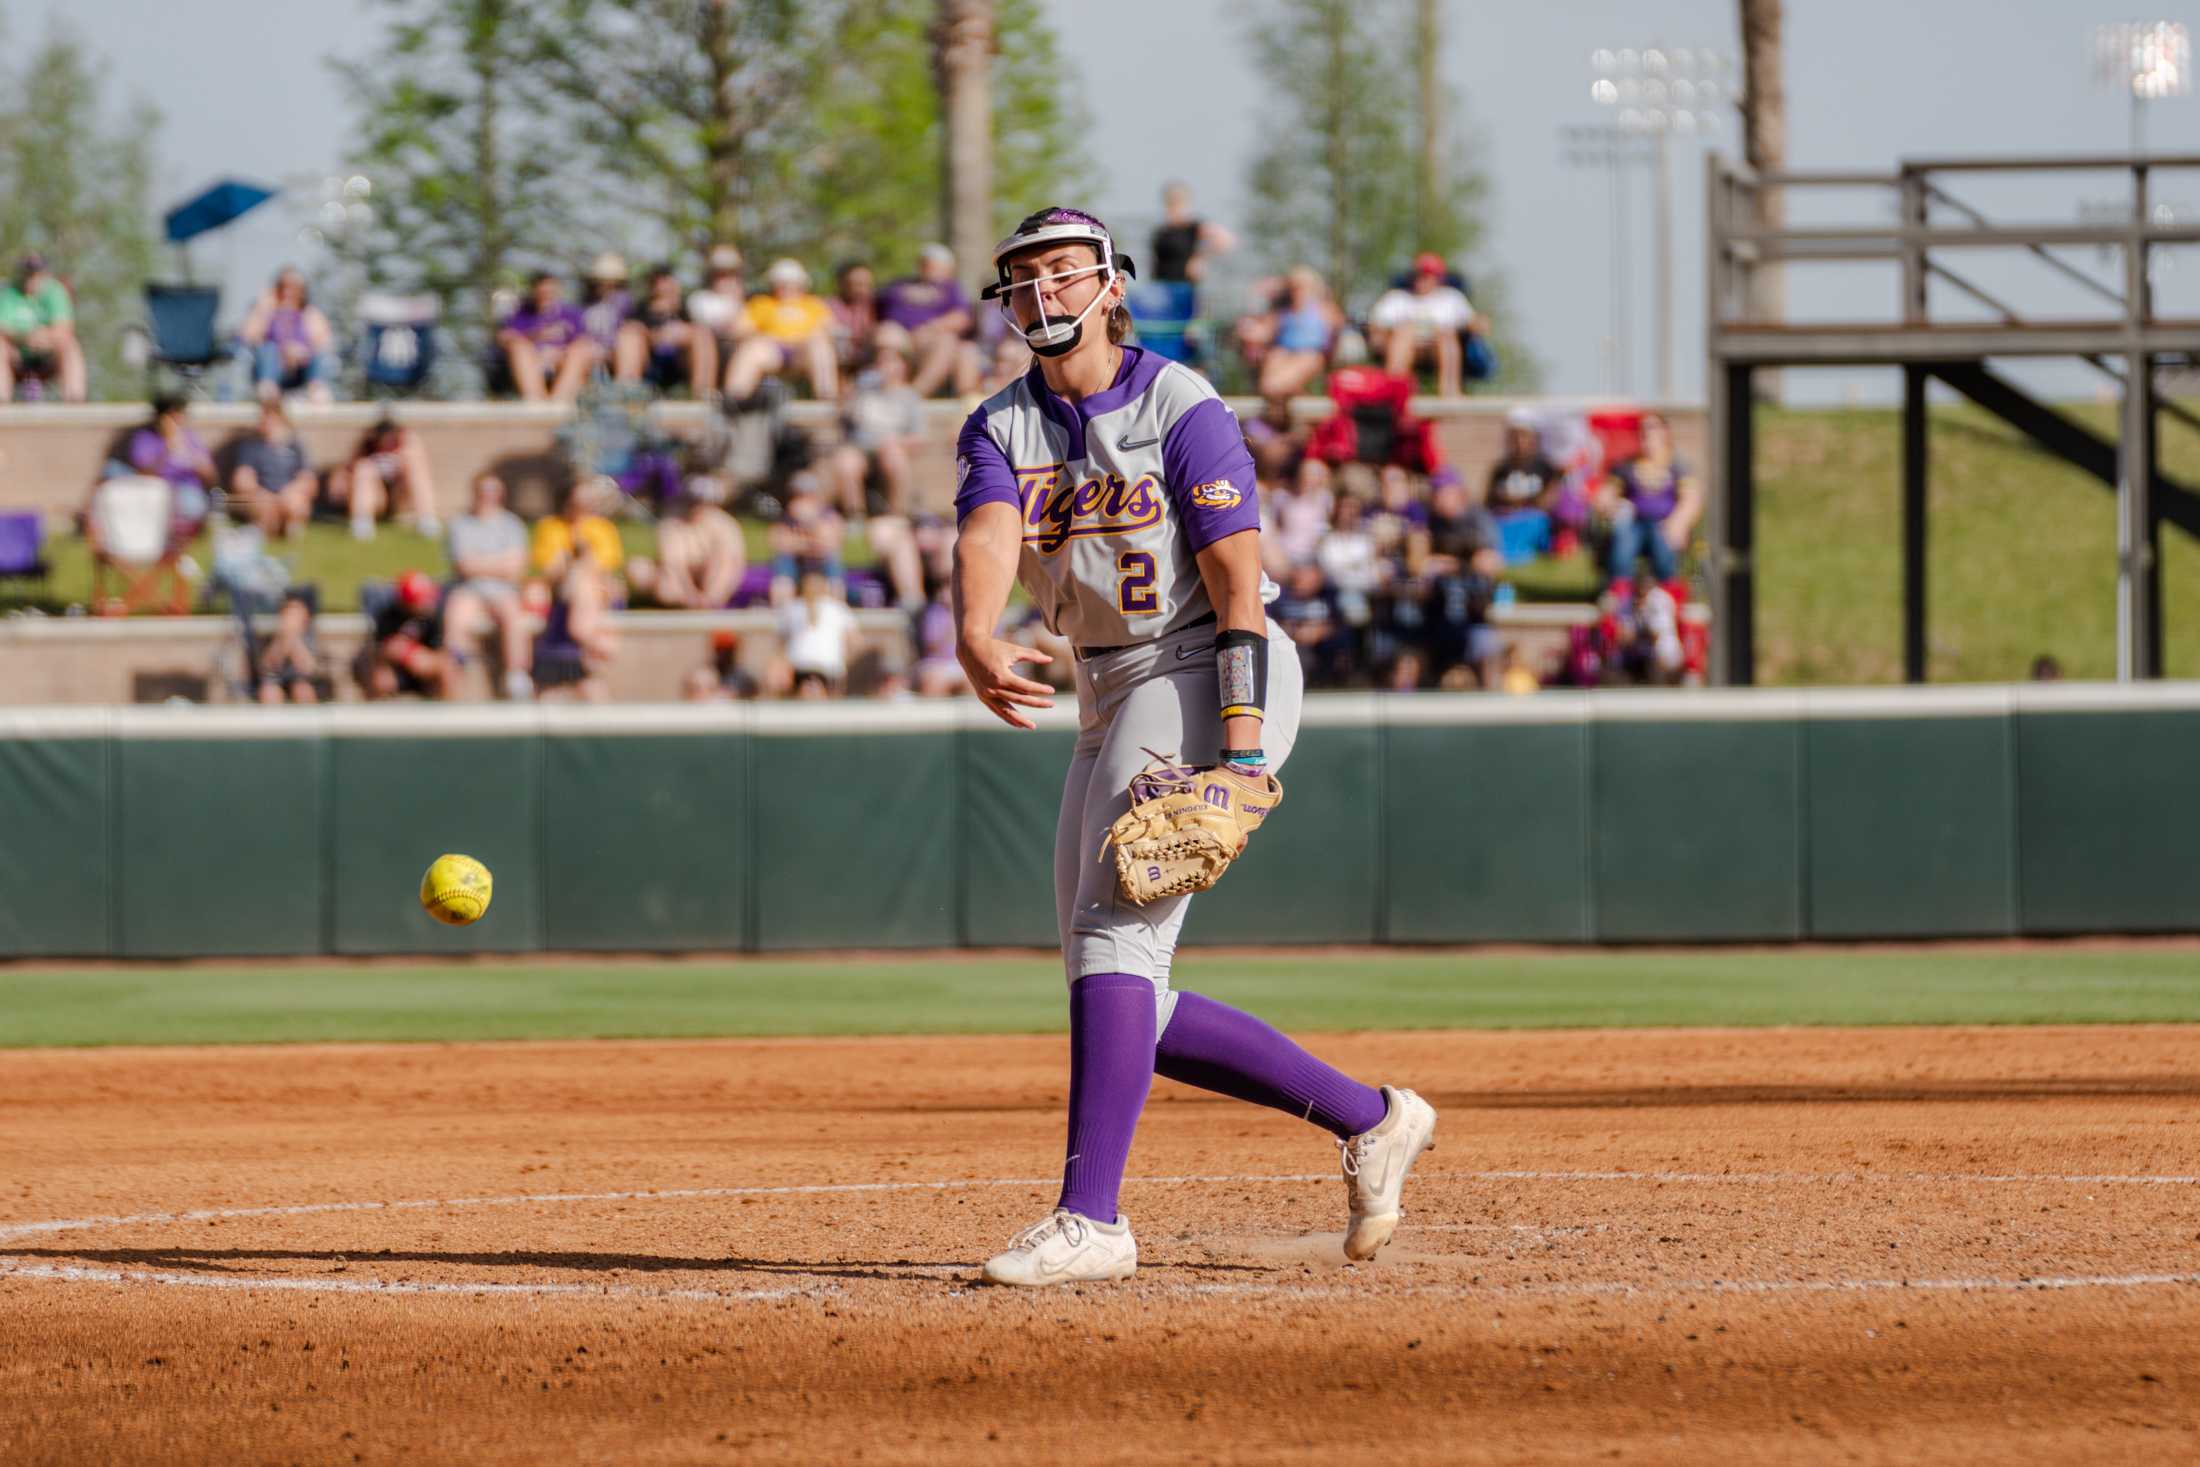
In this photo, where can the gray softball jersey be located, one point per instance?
(1118, 494)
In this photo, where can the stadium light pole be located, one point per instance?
(1656, 92)
(2149, 60)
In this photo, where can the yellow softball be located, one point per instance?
(455, 890)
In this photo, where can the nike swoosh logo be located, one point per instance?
(1127, 444)
(1184, 652)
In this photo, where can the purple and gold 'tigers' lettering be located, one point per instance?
(1057, 508)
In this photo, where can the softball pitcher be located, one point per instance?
(1116, 486)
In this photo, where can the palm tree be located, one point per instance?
(1764, 142)
(962, 50)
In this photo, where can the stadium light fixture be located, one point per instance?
(1655, 92)
(2147, 59)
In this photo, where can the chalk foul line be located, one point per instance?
(18, 1267)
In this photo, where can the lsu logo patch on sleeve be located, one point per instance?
(1216, 494)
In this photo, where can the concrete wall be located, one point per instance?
(51, 453)
(86, 660)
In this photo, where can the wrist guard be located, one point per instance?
(1241, 670)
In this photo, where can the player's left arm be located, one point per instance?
(1230, 567)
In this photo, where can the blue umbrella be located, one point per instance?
(225, 202)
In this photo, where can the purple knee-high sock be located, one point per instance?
(1219, 1048)
(1111, 1059)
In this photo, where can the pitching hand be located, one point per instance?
(990, 663)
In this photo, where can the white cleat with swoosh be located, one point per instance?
(1375, 1167)
(1066, 1248)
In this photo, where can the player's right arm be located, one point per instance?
(985, 568)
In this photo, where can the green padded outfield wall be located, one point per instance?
(58, 892)
(1611, 817)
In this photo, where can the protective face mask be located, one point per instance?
(1053, 334)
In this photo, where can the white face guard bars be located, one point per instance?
(1056, 334)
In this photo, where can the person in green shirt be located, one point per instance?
(38, 332)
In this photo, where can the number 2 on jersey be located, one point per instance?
(1136, 596)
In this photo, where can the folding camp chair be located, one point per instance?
(398, 343)
(131, 525)
(180, 323)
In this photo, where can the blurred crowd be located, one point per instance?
(1395, 566)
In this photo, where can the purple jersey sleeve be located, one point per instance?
(1210, 474)
(982, 474)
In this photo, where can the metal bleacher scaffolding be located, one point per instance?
(1931, 225)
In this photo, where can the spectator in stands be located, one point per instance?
(1289, 344)
(388, 468)
(38, 333)
(1647, 644)
(938, 673)
(700, 555)
(1525, 478)
(722, 678)
(1183, 242)
(1421, 323)
(882, 422)
(574, 652)
(168, 449)
(290, 664)
(581, 531)
(606, 302)
(815, 627)
(793, 333)
(274, 482)
(488, 552)
(1457, 560)
(719, 306)
(292, 344)
(927, 318)
(544, 349)
(1350, 564)
(809, 535)
(662, 345)
(855, 313)
(1010, 359)
(1307, 611)
(404, 653)
(1297, 518)
(1653, 501)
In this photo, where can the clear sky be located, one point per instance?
(1869, 81)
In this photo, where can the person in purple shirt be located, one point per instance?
(167, 448)
(292, 344)
(926, 317)
(1653, 501)
(544, 347)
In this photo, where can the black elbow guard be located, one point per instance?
(1241, 667)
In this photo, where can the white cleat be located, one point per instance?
(1375, 1167)
(1066, 1248)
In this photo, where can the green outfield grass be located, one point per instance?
(1009, 995)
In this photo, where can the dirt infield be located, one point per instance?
(1780, 1246)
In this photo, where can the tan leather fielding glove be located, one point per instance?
(1185, 826)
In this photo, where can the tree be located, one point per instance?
(1764, 148)
(687, 112)
(470, 187)
(76, 186)
(873, 175)
(962, 50)
(1337, 181)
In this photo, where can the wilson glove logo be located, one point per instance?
(1216, 494)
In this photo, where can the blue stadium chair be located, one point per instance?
(180, 324)
(1164, 313)
(398, 344)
